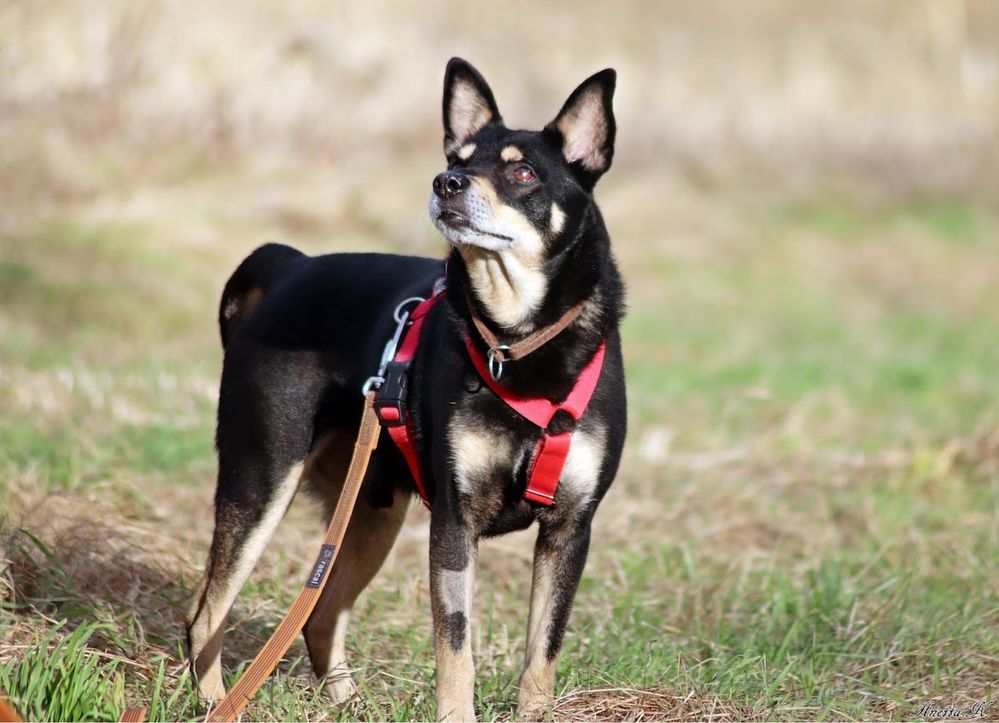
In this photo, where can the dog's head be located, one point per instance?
(520, 192)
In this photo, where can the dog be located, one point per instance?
(301, 335)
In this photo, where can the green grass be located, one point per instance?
(948, 219)
(61, 678)
(791, 317)
(817, 539)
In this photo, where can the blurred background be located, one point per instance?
(804, 203)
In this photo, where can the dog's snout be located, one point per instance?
(450, 183)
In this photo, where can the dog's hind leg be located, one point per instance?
(267, 408)
(368, 539)
(246, 515)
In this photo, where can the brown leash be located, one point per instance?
(281, 639)
(7, 712)
(499, 353)
(133, 715)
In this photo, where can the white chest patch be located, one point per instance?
(509, 289)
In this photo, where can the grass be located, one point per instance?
(804, 527)
(61, 679)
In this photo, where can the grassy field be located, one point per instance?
(805, 526)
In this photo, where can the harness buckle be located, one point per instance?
(401, 317)
(390, 399)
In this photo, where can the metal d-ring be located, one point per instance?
(401, 316)
(397, 315)
(495, 361)
(370, 383)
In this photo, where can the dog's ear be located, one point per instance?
(585, 127)
(469, 105)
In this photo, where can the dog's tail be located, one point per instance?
(249, 282)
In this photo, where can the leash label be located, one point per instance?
(322, 566)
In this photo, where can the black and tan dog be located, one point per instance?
(302, 334)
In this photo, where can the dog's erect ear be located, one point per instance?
(585, 126)
(469, 105)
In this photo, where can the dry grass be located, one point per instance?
(800, 94)
(605, 704)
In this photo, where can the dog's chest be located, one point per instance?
(490, 461)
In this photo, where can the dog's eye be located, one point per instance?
(523, 174)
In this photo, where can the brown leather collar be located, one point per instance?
(518, 350)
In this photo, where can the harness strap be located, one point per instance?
(402, 434)
(546, 469)
(552, 449)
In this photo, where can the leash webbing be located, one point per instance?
(133, 715)
(7, 712)
(281, 639)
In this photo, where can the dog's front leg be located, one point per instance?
(452, 575)
(559, 558)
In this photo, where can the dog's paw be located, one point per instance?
(456, 714)
(211, 690)
(340, 687)
(534, 706)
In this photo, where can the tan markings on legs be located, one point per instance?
(369, 537)
(452, 603)
(230, 563)
(338, 683)
(205, 636)
(537, 681)
(455, 683)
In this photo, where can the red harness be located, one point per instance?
(392, 413)
(552, 450)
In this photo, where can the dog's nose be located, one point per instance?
(450, 183)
